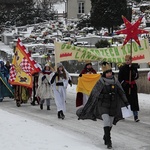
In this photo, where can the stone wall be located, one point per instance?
(143, 83)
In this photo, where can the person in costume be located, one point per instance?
(5, 89)
(8, 66)
(44, 91)
(128, 73)
(59, 81)
(105, 102)
(35, 99)
(88, 69)
(21, 94)
(3, 70)
(34, 89)
(81, 98)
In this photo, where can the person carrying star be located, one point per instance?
(129, 71)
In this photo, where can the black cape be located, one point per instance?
(90, 110)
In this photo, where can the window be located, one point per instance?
(81, 7)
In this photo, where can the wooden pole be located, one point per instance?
(130, 68)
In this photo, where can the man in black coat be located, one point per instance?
(127, 76)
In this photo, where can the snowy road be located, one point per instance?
(126, 135)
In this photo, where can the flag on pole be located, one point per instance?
(23, 66)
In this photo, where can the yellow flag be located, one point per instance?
(23, 66)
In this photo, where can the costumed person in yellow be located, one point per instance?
(82, 96)
(59, 81)
(44, 91)
(105, 102)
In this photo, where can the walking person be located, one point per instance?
(8, 66)
(21, 94)
(82, 98)
(44, 87)
(128, 73)
(4, 71)
(88, 69)
(59, 82)
(6, 89)
(34, 88)
(105, 102)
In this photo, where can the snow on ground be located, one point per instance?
(18, 133)
(24, 134)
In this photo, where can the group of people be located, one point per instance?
(49, 84)
(109, 95)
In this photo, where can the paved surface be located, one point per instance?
(126, 135)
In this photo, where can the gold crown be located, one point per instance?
(106, 66)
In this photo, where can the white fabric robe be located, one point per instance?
(44, 90)
(60, 92)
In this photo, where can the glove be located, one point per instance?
(134, 74)
(59, 84)
(56, 74)
(126, 104)
(43, 78)
(70, 82)
(80, 75)
(53, 78)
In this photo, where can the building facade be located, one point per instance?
(75, 8)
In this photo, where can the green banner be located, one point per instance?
(64, 52)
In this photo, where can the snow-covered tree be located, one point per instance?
(107, 13)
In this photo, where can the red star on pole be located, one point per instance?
(132, 30)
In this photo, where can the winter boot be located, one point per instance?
(41, 106)
(48, 108)
(1, 99)
(62, 114)
(136, 119)
(107, 137)
(18, 104)
(33, 103)
(59, 114)
(104, 137)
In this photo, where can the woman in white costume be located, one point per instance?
(59, 82)
(44, 90)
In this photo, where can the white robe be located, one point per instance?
(60, 92)
(44, 90)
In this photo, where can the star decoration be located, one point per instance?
(132, 30)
